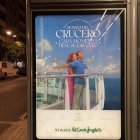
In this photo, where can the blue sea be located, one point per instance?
(112, 93)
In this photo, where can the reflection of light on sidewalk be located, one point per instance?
(23, 116)
(7, 122)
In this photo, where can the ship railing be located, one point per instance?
(86, 105)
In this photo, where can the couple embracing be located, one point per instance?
(75, 65)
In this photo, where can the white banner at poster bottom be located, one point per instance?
(81, 124)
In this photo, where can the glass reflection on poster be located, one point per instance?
(79, 58)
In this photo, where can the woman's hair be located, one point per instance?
(69, 59)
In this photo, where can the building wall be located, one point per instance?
(2, 19)
(12, 13)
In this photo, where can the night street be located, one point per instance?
(13, 101)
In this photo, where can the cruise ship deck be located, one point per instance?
(50, 91)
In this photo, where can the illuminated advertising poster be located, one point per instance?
(79, 75)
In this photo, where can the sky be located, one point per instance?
(97, 36)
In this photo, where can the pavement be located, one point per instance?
(17, 131)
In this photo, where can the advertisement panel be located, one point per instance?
(78, 74)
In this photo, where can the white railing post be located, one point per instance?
(54, 81)
(99, 92)
(45, 94)
(67, 99)
(84, 99)
(87, 94)
(60, 88)
(96, 88)
(102, 92)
